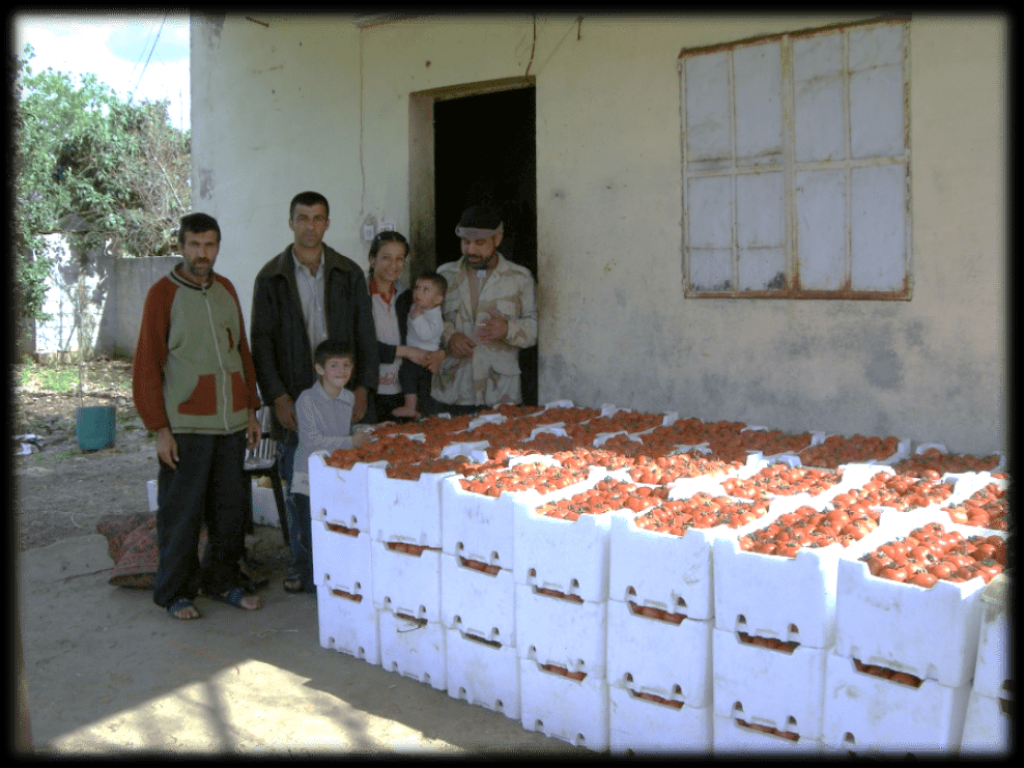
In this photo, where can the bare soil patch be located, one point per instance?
(62, 491)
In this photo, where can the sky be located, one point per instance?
(115, 47)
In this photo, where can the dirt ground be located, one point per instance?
(62, 491)
(106, 672)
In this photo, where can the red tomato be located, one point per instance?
(924, 579)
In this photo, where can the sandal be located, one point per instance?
(181, 604)
(235, 598)
(293, 584)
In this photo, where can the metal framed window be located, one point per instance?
(796, 166)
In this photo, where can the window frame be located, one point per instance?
(790, 167)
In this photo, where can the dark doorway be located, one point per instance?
(485, 152)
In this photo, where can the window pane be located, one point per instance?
(710, 269)
(821, 229)
(758, 76)
(708, 127)
(760, 206)
(879, 238)
(876, 46)
(762, 269)
(819, 119)
(709, 212)
(876, 112)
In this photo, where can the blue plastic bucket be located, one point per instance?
(94, 426)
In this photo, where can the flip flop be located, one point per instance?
(179, 605)
(234, 597)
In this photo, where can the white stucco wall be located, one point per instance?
(282, 105)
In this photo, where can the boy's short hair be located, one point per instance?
(436, 279)
(329, 348)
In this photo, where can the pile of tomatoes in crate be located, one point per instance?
(931, 554)
(809, 527)
(701, 510)
(523, 477)
(836, 450)
(887, 489)
(782, 480)
(608, 495)
(986, 508)
(932, 463)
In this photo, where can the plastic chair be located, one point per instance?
(262, 462)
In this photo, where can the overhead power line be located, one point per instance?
(157, 40)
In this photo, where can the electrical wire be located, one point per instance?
(148, 57)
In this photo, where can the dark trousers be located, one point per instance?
(208, 486)
(415, 380)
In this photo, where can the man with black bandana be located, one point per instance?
(490, 314)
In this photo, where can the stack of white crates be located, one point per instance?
(561, 601)
(606, 635)
(405, 558)
(769, 699)
(989, 707)
(342, 559)
(478, 598)
(928, 633)
(659, 664)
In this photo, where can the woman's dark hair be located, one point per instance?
(387, 236)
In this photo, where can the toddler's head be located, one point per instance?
(430, 290)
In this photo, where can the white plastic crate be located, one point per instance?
(866, 714)
(653, 656)
(929, 633)
(669, 572)
(348, 625)
(264, 506)
(769, 687)
(748, 584)
(476, 602)
(685, 487)
(571, 710)
(992, 675)
(641, 726)
(730, 737)
(855, 475)
(568, 556)
(405, 510)
(987, 727)
(340, 495)
(340, 559)
(481, 527)
(405, 583)
(414, 648)
(483, 673)
(557, 631)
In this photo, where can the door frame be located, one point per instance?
(422, 206)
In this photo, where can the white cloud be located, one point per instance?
(115, 47)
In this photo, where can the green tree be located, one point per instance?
(102, 171)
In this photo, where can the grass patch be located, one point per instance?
(48, 378)
(107, 375)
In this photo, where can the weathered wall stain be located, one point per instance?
(206, 183)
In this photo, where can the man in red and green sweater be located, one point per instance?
(194, 385)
